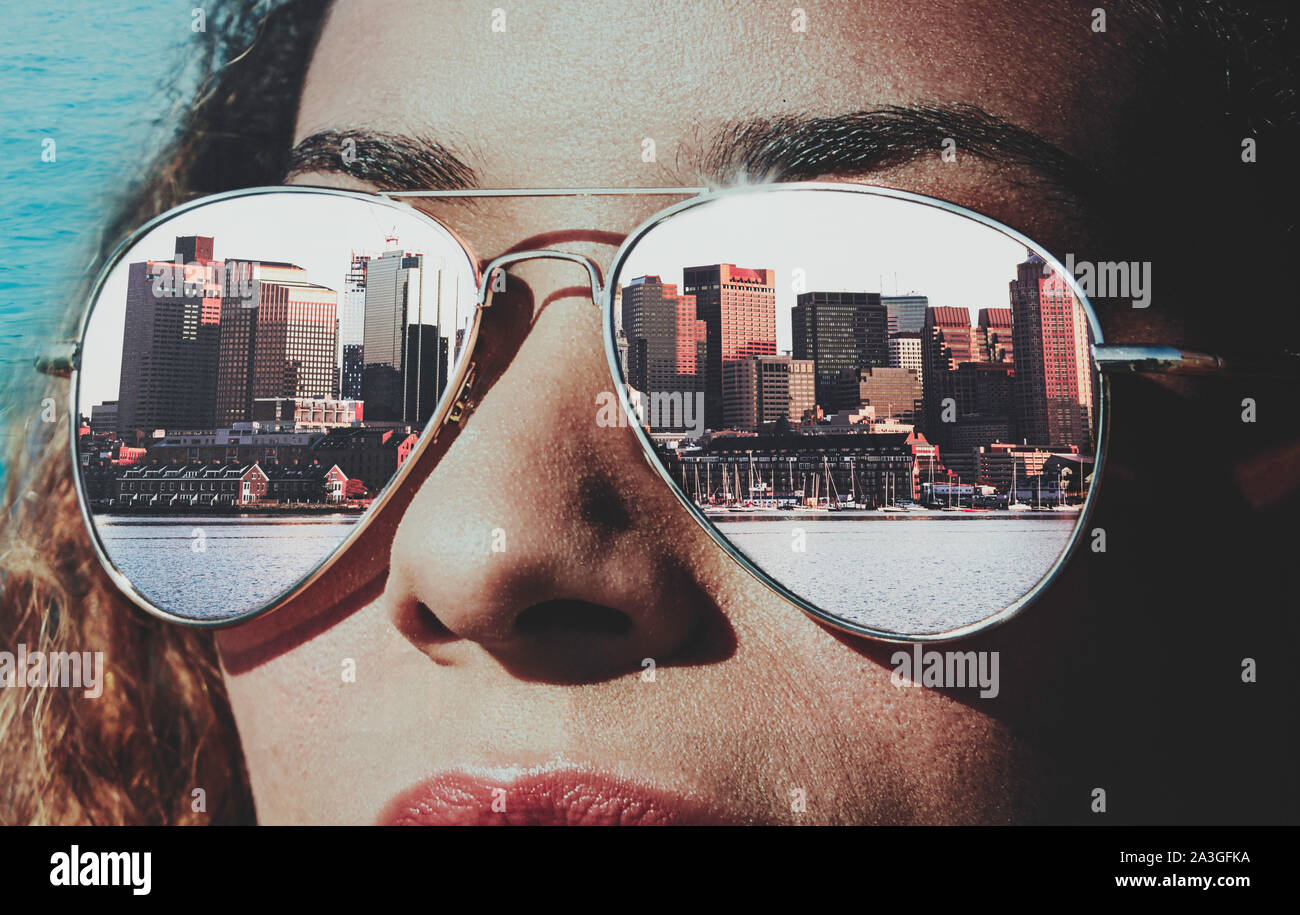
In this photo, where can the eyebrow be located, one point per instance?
(786, 148)
(794, 148)
(389, 161)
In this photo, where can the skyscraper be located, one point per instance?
(905, 353)
(352, 328)
(996, 335)
(666, 342)
(738, 307)
(296, 340)
(947, 340)
(765, 389)
(905, 313)
(895, 393)
(279, 341)
(405, 344)
(171, 337)
(1053, 384)
(839, 331)
(803, 390)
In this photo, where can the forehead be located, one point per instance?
(567, 92)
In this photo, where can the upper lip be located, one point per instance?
(558, 797)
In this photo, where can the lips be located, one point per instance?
(557, 798)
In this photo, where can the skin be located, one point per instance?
(752, 698)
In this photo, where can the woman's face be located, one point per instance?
(522, 669)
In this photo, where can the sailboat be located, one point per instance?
(890, 504)
(1013, 498)
(950, 507)
(710, 508)
(1038, 495)
(1061, 505)
(748, 504)
(832, 497)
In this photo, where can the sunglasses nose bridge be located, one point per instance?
(490, 272)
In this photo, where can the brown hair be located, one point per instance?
(162, 726)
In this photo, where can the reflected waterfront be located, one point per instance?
(915, 573)
(211, 567)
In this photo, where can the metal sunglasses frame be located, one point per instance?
(63, 360)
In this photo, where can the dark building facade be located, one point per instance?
(839, 331)
(369, 455)
(404, 350)
(894, 393)
(667, 343)
(995, 332)
(857, 464)
(170, 341)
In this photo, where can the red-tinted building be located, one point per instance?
(994, 331)
(279, 341)
(1053, 370)
(215, 484)
(738, 307)
(947, 341)
(665, 340)
(371, 455)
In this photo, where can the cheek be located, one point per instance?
(309, 718)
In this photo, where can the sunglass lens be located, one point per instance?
(886, 406)
(254, 373)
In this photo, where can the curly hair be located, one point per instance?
(162, 727)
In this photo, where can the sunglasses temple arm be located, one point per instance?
(59, 359)
(1170, 360)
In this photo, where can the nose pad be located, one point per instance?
(543, 537)
(495, 273)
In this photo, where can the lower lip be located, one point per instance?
(563, 798)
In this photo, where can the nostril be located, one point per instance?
(573, 617)
(424, 624)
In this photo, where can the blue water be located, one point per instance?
(99, 78)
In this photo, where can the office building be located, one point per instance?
(170, 341)
(905, 314)
(894, 393)
(761, 390)
(905, 353)
(839, 331)
(352, 327)
(1054, 391)
(665, 341)
(406, 349)
(738, 307)
(279, 341)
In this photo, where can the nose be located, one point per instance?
(542, 538)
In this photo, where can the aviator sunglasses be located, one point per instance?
(890, 409)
